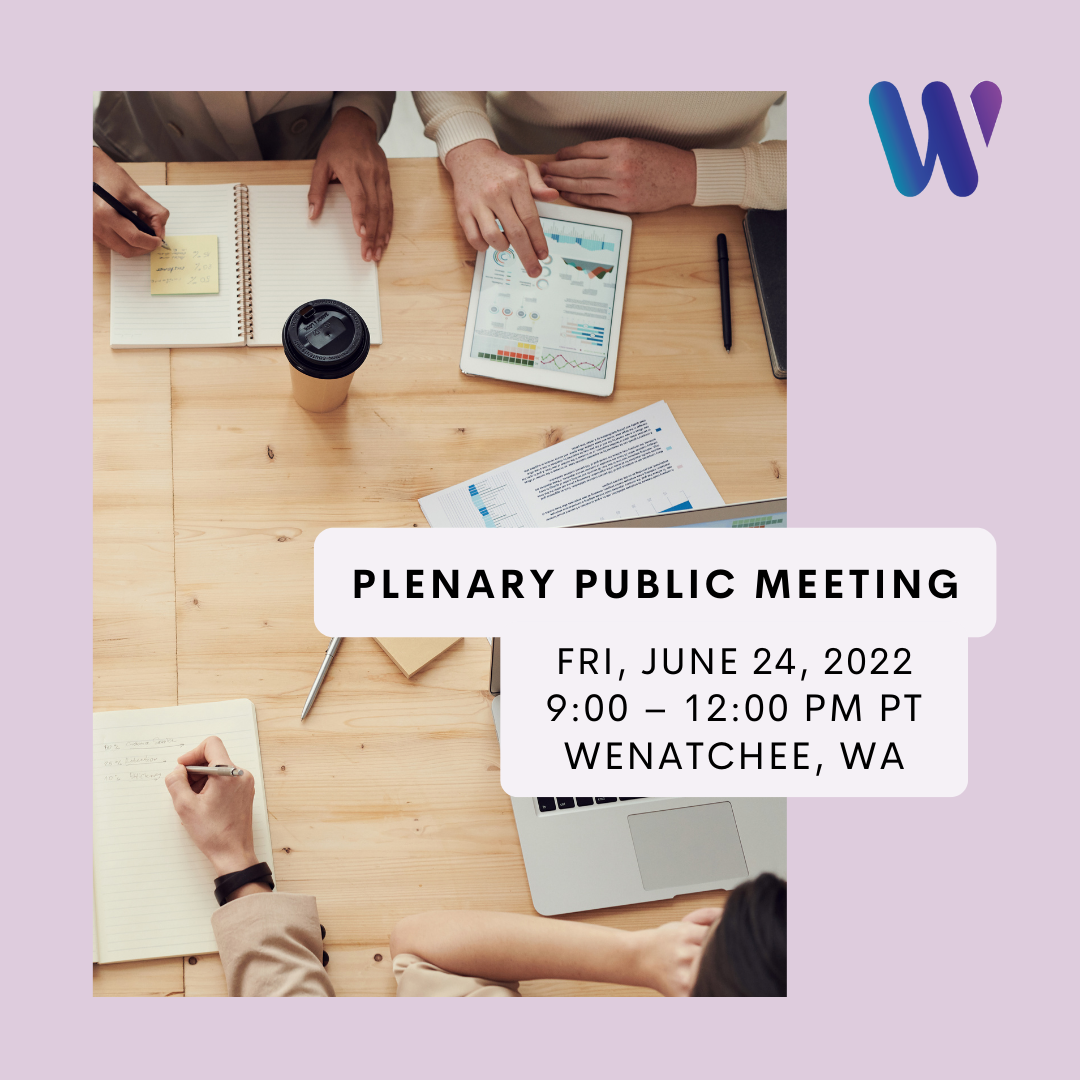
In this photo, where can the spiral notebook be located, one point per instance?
(271, 259)
(153, 888)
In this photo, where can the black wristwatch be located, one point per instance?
(227, 884)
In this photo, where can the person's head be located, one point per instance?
(746, 953)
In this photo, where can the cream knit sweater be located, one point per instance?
(721, 127)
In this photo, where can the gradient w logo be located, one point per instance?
(946, 140)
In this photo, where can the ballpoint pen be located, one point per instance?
(725, 289)
(328, 659)
(215, 770)
(124, 212)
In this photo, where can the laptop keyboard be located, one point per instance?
(547, 806)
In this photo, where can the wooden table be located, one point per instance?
(210, 486)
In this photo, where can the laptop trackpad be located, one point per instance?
(689, 845)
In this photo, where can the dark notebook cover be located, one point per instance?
(766, 240)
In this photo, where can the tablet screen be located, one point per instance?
(560, 321)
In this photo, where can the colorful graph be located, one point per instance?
(479, 501)
(524, 355)
(503, 258)
(560, 362)
(589, 243)
(594, 335)
(677, 501)
(594, 270)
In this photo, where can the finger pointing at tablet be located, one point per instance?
(493, 188)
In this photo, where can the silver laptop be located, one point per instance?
(765, 514)
(597, 851)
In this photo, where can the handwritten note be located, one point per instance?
(153, 888)
(188, 265)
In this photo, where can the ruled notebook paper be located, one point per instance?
(139, 320)
(153, 888)
(294, 260)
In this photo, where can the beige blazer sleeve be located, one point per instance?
(217, 125)
(271, 946)
(753, 177)
(454, 117)
(420, 978)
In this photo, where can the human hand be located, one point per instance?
(110, 228)
(350, 152)
(627, 175)
(215, 810)
(490, 184)
(671, 954)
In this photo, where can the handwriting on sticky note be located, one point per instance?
(188, 265)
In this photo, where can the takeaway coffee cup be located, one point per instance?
(325, 341)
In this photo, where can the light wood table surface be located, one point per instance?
(210, 486)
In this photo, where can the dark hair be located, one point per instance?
(746, 955)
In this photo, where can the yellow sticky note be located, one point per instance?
(188, 265)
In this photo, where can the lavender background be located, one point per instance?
(933, 383)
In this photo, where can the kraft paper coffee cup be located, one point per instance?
(325, 341)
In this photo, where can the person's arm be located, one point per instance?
(490, 186)
(454, 117)
(350, 153)
(270, 943)
(378, 104)
(752, 176)
(110, 228)
(510, 948)
(634, 175)
(625, 175)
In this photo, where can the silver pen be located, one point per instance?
(215, 770)
(328, 659)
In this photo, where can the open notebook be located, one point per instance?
(153, 888)
(271, 259)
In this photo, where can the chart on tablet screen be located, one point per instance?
(589, 239)
(570, 361)
(560, 321)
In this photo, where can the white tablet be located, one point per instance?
(561, 329)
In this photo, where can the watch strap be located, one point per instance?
(227, 884)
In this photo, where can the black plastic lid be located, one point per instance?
(325, 339)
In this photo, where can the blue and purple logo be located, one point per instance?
(945, 141)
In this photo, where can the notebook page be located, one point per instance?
(153, 888)
(95, 931)
(294, 260)
(139, 320)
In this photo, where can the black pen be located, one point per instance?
(725, 290)
(124, 212)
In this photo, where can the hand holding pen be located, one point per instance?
(126, 219)
(215, 809)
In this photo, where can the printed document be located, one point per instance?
(632, 467)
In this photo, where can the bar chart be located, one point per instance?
(592, 334)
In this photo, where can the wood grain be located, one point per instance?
(134, 620)
(414, 424)
(386, 801)
(142, 978)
